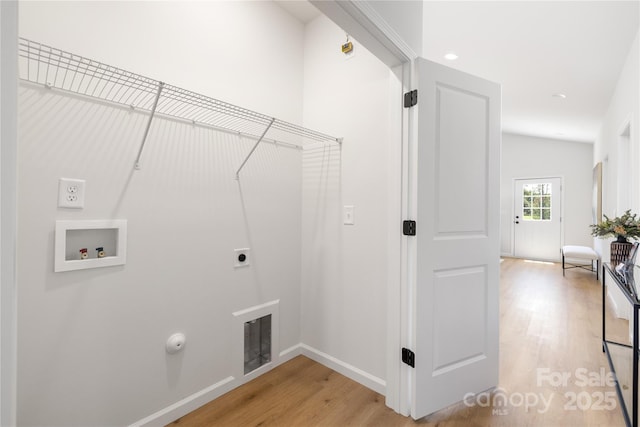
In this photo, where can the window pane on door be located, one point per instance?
(536, 202)
(546, 201)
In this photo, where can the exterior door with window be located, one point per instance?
(537, 218)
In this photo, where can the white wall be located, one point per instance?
(8, 163)
(226, 49)
(91, 343)
(533, 157)
(624, 107)
(344, 269)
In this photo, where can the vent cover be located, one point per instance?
(257, 343)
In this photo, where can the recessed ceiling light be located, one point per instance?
(451, 56)
(559, 95)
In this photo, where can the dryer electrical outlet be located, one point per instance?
(71, 193)
(241, 257)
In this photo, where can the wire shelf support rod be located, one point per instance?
(146, 130)
(254, 148)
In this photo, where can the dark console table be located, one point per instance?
(623, 357)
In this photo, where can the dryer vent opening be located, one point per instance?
(257, 343)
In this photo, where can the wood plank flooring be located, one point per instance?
(547, 322)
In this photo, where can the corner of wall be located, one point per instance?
(8, 208)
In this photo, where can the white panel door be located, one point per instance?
(455, 311)
(536, 223)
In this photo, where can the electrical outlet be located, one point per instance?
(241, 257)
(71, 193)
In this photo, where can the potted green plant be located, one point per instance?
(624, 227)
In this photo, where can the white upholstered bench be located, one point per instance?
(580, 253)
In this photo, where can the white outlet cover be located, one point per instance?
(236, 261)
(71, 193)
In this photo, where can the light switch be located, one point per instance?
(349, 215)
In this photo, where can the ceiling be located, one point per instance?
(535, 49)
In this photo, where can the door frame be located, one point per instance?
(364, 23)
(513, 207)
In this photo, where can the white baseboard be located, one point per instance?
(188, 404)
(370, 381)
(196, 400)
(290, 353)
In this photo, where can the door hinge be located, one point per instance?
(408, 357)
(411, 98)
(409, 228)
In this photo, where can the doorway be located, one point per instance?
(537, 218)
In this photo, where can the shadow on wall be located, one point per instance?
(322, 259)
(255, 257)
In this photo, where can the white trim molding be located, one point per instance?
(206, 395)
(188, 404)
(358, 375)
(366, 25)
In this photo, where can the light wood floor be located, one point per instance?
(547, 321)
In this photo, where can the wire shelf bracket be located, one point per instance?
(254, 148)
(60, 70)
(146, 130)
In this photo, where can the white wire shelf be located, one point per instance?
(55, 68)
